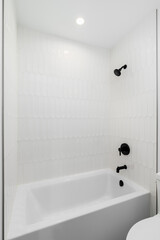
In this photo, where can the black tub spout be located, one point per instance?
(120, 168)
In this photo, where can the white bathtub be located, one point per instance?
(88, 206)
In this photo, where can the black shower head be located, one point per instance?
(117, 72)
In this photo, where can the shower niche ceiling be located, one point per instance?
(65, 111)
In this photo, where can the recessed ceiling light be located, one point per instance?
(80, 21)
(66, 52)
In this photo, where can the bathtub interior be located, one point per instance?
(42, 204)
(64, 194)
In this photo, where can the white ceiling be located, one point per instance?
(106, 21)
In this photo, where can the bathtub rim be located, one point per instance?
(76, 176)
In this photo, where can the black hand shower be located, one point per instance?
(117, 72)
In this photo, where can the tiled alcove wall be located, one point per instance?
(133, 105)
(10, 107)
(62, 106)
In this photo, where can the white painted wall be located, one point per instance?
(10, 107)
(133, 105)
(158, 32)
(62, 106)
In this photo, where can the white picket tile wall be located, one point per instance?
(10, 108)
(73, 115)
(62, 106)
(133, 105)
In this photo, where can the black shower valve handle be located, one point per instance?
(119, 149)
(124, 149)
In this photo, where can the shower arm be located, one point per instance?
(124, 66)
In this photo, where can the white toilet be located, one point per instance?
(147, 229)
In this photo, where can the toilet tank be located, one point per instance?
(158, 190)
